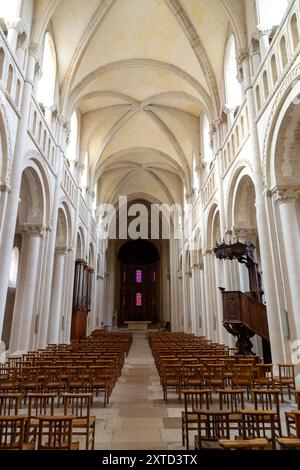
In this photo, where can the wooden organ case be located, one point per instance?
(81, 298)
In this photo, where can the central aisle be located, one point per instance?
(137, 417)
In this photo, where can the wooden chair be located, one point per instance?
(12, 433)
(10, 403)
(55, 433)
(39, 404)
(212, 426)
(171, 379)
(79, 405)
(100, 382)
(268, 399)
(8, 379)
(193, 399)
(232, 400)
(264, 376)
(286, 379)
(259, 424)
(292, 442)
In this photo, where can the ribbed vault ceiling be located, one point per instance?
(141, 73)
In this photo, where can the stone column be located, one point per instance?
(289, 235)
(23, 327)
(203, 322)
(57, 291)
(14, 28)
(208, 297)
(11, 210)
(265, 239)
(69, 274)
(262, 35)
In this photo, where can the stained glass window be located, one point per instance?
(138, 299)
(124, 276)
(138, 276)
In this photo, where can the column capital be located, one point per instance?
(284, 195)
(17, 24)
(35, 50)
(261, 30)
(33, 230)
(60, 250)
(242, 55)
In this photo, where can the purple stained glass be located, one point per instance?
(138, 299)
(138, 276)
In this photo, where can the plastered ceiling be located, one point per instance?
(141, 73)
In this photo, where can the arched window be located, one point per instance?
(46, 85)
(232, 85)
(283, 51)
(266, 85)
(14, 265)
(10, 77)
(295, 31)
(271, 12)
(18, 91)
(257, 95)
(9, 8)
(274, 69)
(207, 149)
(138, 299)
(72, 147)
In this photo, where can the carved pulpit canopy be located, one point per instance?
(243, 252)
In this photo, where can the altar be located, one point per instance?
(137, 325)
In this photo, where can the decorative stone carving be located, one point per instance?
(60, 250)
(33, 230)
(283, 195)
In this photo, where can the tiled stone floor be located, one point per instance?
(137, 416)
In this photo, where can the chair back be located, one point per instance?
(10, 403)
(12, 431)
(55, 432)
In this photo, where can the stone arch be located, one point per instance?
(216, 228)
(33, 198)
(287, 95)
(65, 207)
(243, 214)
(242, 167)
(91, 255)
(209, 225)
(34, 160)
(80, 244)
(284, 168)
(62, 229)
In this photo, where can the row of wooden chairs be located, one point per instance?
(44, 404)
(52, 433)
(92, 365)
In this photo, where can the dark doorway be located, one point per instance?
(139, 278)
